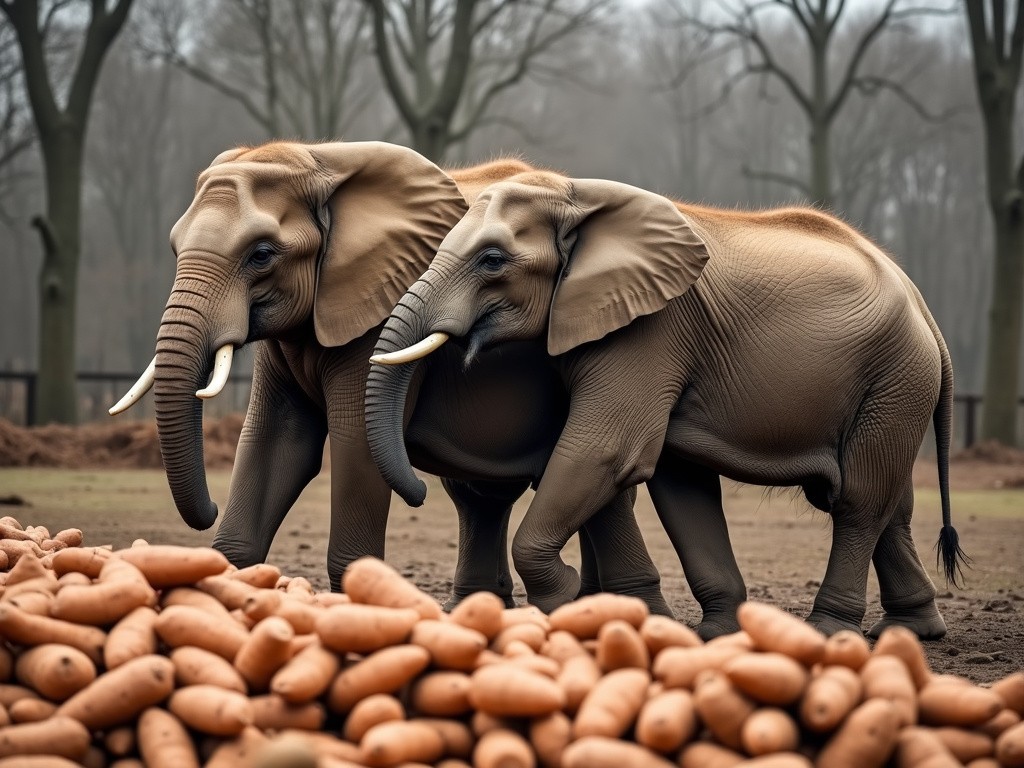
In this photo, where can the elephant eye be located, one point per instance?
(492, 259)
(261, 255)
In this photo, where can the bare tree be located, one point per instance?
(744, 26)
(445, 62)
(16, 131)
(61, 131)
(998, 49)
(294, 65)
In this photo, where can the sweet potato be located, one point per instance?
(272, 713)
(27, 629)
(887, 677)
(62, 736)
(265, 651)
(87, 560)
(120, 741)
(522, 654)
(677, 667)
(120, 694)
(770, 678)
(1011, 691)
(131, 637)
(619, 645)
(399, 741)
(584, 617)
(368, 712)
(15, 550)
(372, 581)
(456, 736)
(960, 705)
(481, 611)
(170, 565)
(196, 666)
(38, 761)
(527, 632)
(196, 599)
(707, 754)
(902, 643)
(768, 730)
(42, 587)
(1006, 718)
(778, 760)
(604, 752)
(508, 690)
(211, 709)
(262, 575)
(578, 677)
(451, 646)
(327, 746)
(866, 739)
(306, 675)
(965, 745)
(441, 694)
(846, 648)
(10, 693)
(35, 603)
(666, 721)
(502, 748)
(55, 671)
(1010, 747)
(179, 625)
(231, 593)
(27, 569)
(772, 629)
(269, 602)
(164, 742)
(721, 707)
(917, 747)
(830, 696)
(120, 590)
(550, 735)
(364, 628)
(383, 671)
(31, 710)
(69, 537)
(561, 645)
(239, 751)
(613, 704)
(659, 632)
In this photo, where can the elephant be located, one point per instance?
(302, 250)
(779, 348)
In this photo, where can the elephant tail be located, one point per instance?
(948, 546)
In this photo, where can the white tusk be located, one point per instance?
(221, 370)
(139, 388)
(415, 352)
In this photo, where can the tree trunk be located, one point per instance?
(58, 278)
(821, 166)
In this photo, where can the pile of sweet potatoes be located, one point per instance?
(162, 655)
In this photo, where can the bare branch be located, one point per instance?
(778, 178)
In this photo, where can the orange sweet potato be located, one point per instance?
(902, 643)
(262, 575)
(31, 710)
(231, 593)
(921, 747)
(372, 581)
(1010, 747)
(179, 625)
(613, 704)
(846, 648)
(364, 628)
(61, 736)
(306, 675)
(773, 629)
(561, 645)
(830, 696)
(164, 742)
(866, 739)
(769, 730)
(265, 651)
(383, 671)
(666, 721)
(527, 632)
(1011, 691)
(441, 694)
(678, 667)
(965, 745)
(721, 707)
(887, 677)
(659, 632)
(87, 560)
(120, 694)
(121, 589)
(619, 645)
(6, 663)
(272, 713)
(509, 690)
(584, 617)
(374, 709)
(458, 739)
(943, 703)
(400, 741)
(27, 629)
(770, 678)
(502, 748)
(451, 645)
(550, 735)
(131, 637)
(707, 754)
(211, 709)
(1006, 718)
(481, 611)
(196, 599)
(55, 671)
(170, 565)
(269, 602)
(578, 677)
(196, 666)
(604, 752)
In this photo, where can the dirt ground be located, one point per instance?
(780, 542)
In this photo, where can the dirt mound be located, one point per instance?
(110, 446)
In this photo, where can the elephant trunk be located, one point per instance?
(387, 389)
(183, 362)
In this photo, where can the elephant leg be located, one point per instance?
(907, 594)
(280, 450)
(590, 575)
(484, 509)
(619, 554)
(688, 499)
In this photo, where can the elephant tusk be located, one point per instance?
(221, 370)
(139, 388)
(418, 350)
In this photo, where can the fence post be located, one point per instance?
(30, 399)
(970, 401)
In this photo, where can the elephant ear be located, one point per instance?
(228, 155)
(630, 252)
(383, 212)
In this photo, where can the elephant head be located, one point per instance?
(284, 241)
(538, 255)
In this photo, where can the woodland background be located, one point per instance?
(723, 103)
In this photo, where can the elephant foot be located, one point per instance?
(566, 588)
(458, 597)
(927, 623)
(828, 624)
(715, 624)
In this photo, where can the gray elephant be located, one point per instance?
(778, 348)
(303, 250)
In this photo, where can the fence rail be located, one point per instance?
(99, 390)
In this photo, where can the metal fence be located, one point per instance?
(97, 391)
